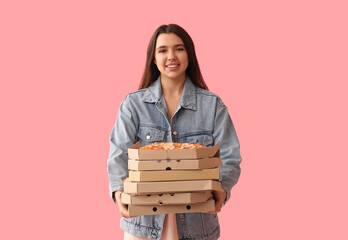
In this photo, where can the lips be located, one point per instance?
(173, 66)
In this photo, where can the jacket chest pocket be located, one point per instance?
(203, 139)
(148, 135)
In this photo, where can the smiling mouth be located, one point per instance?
(173, 66)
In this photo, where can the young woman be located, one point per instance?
(173, 104)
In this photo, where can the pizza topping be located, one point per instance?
(171, 146)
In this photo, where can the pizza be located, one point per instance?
(172, 146)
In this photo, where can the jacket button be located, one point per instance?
(175, 133)
(148, 137)
(181, 216)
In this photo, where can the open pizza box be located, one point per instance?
(174, 175)
(137, 210)
(171, 186)
(141, 154)
(188, 164)
(166, 199)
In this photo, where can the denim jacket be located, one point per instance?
(201, 117)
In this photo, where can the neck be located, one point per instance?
(172, 86)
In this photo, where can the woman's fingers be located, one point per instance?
(218, 207)
(122, 207)
(219, 198)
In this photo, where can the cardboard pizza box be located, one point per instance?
(171, 187)
(174, 175)
(137, 210)
(141, 154)
(166, 198)
(187, 164)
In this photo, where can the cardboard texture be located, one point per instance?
(170, 187)
(166, 199)
(137, 210)
(174, 181)
(135, 153)
(174, 175)
(190, 164)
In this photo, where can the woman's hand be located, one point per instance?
(122, 207)
(219, 197)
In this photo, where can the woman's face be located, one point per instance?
(171, 56)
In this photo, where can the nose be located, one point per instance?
(171, 55)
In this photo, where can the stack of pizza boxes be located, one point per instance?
(171, 181)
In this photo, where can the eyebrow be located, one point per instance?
(177, 45)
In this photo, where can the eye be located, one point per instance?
(180, 49)
(162, 50)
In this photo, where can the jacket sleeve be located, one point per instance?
(229, 148)
(123, 135)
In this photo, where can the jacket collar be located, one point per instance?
(153, 94)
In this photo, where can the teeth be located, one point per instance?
(173, 66)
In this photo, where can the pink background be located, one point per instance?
(279, 66)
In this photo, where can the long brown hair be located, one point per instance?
(151, 72)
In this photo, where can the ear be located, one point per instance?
(154, 61)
